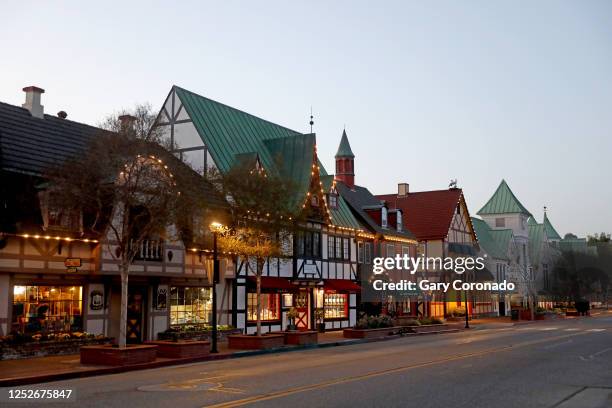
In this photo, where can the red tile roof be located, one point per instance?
(428, 214)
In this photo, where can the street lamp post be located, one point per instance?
(467, 320)
(213, 345)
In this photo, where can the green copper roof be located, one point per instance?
(537, 234)
(503, 201)
(487, 241)
(551, 233)
(233, 136)
(228, 132)
(344, 150)
(532, 221)
(342, 214)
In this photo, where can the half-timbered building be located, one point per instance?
(441, 223)
(57, 276)
(320, 270)
(385, 233)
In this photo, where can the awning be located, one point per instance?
(344, 285)
(270, 282)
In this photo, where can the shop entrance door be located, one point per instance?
(135, 314)
(302, 306)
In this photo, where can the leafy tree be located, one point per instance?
(264, 218)
(129, 189)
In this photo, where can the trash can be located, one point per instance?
(515, 314)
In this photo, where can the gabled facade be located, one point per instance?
(441, 223)
(322, 270)
(55, 275)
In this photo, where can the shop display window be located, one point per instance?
(190, 305)
(47, 308)
(270, 306)
(336, 305)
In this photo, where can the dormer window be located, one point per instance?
(399, 220)
(332, 200)
(384, 217)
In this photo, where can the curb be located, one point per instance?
(16, 381)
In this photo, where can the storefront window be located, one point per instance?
(47, 308)
(336, 305)
(190, 305)
(270, 306)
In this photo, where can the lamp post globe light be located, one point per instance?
(215, 227)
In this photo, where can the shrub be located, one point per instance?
(374, 322)
(458, 312)
(431, 320)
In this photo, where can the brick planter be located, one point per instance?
(181, 349)
(245, 342)
(427, 328)
(115, 356)
(369, 333)
(301, 337)
(46, 348)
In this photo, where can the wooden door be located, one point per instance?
(135, 314)
(302, 305)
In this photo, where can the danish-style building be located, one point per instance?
(55, 275)
(520, 249)
(441, 223)
(321, 273)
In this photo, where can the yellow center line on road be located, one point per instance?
(344, 380)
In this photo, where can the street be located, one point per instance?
(561, 363)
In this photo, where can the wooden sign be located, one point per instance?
(72, 262)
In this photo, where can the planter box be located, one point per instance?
(540, 316)
(46, 348)
(246, 342)
(572, 313)
(369, 333)
(115, 356)
(200, 335)
(301, 337)
(181, 349)
(427, 328)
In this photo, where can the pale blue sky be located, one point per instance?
(429, 91)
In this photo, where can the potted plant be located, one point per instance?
(291, 316)
(320, 318)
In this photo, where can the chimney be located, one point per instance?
(32, 102)
(127, 121)
(402, 189)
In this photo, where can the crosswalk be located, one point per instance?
(570, 329)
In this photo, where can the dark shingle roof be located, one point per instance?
(31, 145)
(359, 198)
(428, 214)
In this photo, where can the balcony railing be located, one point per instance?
(149, 250)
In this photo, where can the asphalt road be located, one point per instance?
(564, 363)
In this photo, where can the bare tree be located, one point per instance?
(131, 190)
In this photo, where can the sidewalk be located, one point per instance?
(55, 368)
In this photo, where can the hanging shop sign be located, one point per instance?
(96, 300)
